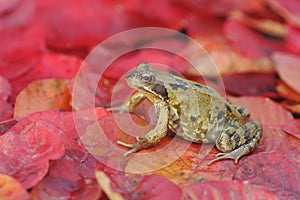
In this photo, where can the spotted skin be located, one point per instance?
(193, 111)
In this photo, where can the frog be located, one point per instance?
(193, 111)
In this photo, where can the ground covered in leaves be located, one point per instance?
(255, 44)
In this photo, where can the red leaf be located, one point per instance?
(288, 67)
(131, 60)
(264, 110)
(20, 14)
(65, 122)
(138, 186)
(100, 137)
(97, 21)
(5, 89)
(226, 190)
(158, 15)
(48, 66)
(276, 167)
(294, 108)
(221, 7)
(47, 94)
(61, 22)
(12, 189)
(269, 23)
(6, 111)
(255, 46)
(251, 84)
(288, 93)
(72, 177)
(26, 151)
(28, 46)
(6, 125)
(287, 9)
(293, 40)
(292, 127)
(6, 6)
(58, 187)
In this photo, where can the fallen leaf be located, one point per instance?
(195, 25)
(294, 108)
(264, 110)
(104, 182)
(6, 6)
(189, 162)
(100, 138)
(20, 15)
(288, 68)
(255, 46)
(292, 40)
(226, 190)
(275, 168)
(250, 84)
(47, 94)
(71, 176)
(133, 186)
(228, 62)
(267, 26)
(49, 65)
(292, 127)
(6, 110)
(5, 89)
(26, 151)
(171, 18)
(28, 46)
(6, 125)
(71, 124)
(286, 9)
(95, 19)
(287, 92)
(222, 8)
(11, 189)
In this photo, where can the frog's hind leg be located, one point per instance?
(237, 142)
(243, 111)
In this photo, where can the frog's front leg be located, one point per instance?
(235, 143)
(130, 104)
(155, 135)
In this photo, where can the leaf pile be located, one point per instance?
(50, 149)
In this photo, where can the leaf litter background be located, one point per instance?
(255, 44)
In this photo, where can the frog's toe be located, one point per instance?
(121, 109)
(125, 144)
(231, 155)
(134, 147)
(130, 152)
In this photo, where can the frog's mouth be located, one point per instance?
(156, 91)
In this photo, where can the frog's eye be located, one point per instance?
(147, 78)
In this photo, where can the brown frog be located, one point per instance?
(193, 111)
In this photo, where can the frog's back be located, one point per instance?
(195, 110)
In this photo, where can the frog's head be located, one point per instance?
(147, 81)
